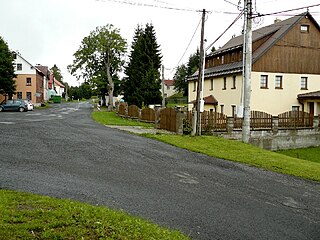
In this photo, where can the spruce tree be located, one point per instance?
(142, 84)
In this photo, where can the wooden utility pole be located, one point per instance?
(162, 83)
(247, 49)
(201, 66)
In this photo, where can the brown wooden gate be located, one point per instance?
(168, 119)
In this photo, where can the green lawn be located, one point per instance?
(28, 216)
(110, 118)
(310, 154)
(244, 153)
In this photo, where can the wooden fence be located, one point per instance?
(168, 119)
(295, 119)
(213, 121)
(148, 115)
(258, 120)
(133, 111)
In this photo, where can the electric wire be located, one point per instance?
(285, 11)
(234, 21)
(185, 51)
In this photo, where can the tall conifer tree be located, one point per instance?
(142, 83)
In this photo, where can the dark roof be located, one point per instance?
(276, 32)
(208, 100)
(310, 95)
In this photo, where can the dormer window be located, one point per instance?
(304, 28)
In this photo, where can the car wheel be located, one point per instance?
(21, 109)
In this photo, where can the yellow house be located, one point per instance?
(285, 70)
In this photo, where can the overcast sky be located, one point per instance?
(49, 32)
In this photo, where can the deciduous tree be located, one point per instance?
(7, 82)
(100, 58)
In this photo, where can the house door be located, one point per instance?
(311, 108)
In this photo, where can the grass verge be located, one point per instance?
(110, 118)
(29, 216)
(244, 153)
(310, 154)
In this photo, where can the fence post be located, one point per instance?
(316, 122)
(230, 124)
(275, 124)
(157, 117)
(126, 110)
(179, 121)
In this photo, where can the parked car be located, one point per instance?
(14, 105)
(29, 104)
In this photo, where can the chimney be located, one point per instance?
(277, 20)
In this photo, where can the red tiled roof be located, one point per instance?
(168, 82)
(208, 100)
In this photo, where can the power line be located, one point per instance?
(149, 5)
(285, 11)
(234, 21)
(187, 46)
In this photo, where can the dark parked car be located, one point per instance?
(14, 105)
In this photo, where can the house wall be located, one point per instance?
(275, 101)
(296, 52)
(169, 91)
(24, 88)
(227, 97)
(271, 100)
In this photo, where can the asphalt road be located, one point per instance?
(61, 152)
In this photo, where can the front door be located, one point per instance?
(311, 108)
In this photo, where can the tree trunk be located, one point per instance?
(111, 84)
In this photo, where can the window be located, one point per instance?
(224, 83)
(29, 95)
(194, 85)
(295, 108)
(304, 28)
(264, 81)
(234, 82)
(19, 95)
(19, 66)
(211, 84)
(222, 108)
(304, 83)
(222, 59)
(278, 82)
(14, 55)
(234, 110)
(168, 87)
(28, 81)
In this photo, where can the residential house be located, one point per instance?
(55, 87)
(169, 88)
(29, 81)
(45, 70)
(285, 70)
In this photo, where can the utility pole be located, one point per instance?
(247, 49)
(162, 83)
(201, 67)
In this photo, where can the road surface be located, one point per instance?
(61, 152)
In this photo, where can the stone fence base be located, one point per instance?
(282, 139)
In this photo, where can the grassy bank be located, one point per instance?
(28, 216)
(110, 118)
(310, 154)
(244, 153)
